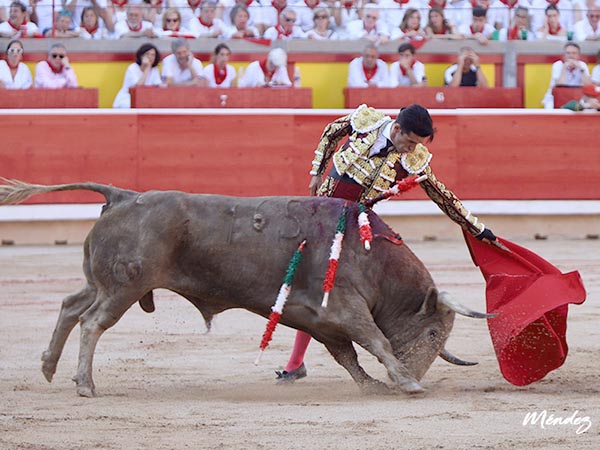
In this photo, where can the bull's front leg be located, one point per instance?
(346, 356)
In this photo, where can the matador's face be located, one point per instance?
(404, 142)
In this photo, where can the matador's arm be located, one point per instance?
(450, 204)
(330, 138)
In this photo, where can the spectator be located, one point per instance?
(253, 8)
(459, 13)
(100, 6)
(552, 30)
(368, 70)
(56, 72)
(189, 10)
(393, 12)
(181, 68)
(62, 26)
(171, 25)
(305, 13)
(17, 25)
(118, 10)
(271, 71)
(14, 74)
(271, 14)
(322, 29)
(569, 71)
(588, 29)
(596, 71)
(153, 12)
(220, 73)
(207, 25)
(143, 72)
(479, 29)
(90, 25)
(407, 71)
(519, 31)
(240, 17)
(410, 27)
(41, 12)
(344, 12)
(589, 100)
(134, 26)
(500, 13)
(466, 72)
(438, 27)
(538, 13)
(370, 27)
(286, 29)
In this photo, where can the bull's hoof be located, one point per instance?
(48, 368)
(411, 387)
(86, 391)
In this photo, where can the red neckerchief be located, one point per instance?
(278, 9)
(412, 65)
(24, 24)
(119, 3)
(281, 32)
(310, 7)
(509, 4)
(53, 69)
(433, 4)
(402, 2)
(207, 25)
(263, 66)
(473, 32)
(248, 2)
(193, 4)
(220, 74)
(10, 65)
(91, 31)
(553, 2)
(138, 28)
(554, 32)
(513, 33)
(348, 5)
(369, 73)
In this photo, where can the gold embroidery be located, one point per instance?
(365, 119)
(417, 160)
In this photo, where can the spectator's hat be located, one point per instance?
(591, 91)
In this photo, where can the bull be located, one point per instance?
(223, 252)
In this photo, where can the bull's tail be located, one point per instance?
(15, 191)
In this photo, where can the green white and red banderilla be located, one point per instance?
(284, 293)
(334, 256)
(403, 185)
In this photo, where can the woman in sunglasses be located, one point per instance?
(56, 72)
(13, 73)
(322, 27)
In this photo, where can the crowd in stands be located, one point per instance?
(379, 22)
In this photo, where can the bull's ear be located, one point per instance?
(430, 303)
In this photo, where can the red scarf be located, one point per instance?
(310, 7)
(18, 28)
(348, 5)
(193, 4)
(510, 3)
(434, 4)
(220, 74)
(91, 31)
(119, 3)
(402, 2)
(207, 25)
(263, 66)
(554, 32)
(53, 69)
(369, 73)
(10, 65)
(403, 70)
(444, 30)
(473, 32)
(248, 2)
(138, 28)
(513, 34)
(553, 2)
(281, 32)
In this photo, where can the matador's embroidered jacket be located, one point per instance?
(379, 172)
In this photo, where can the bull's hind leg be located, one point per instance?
(72, 307)
(345, 355)
(103, 314)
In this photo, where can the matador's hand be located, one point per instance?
(315, 182)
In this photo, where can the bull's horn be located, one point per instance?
(445, 298)
(449, 357)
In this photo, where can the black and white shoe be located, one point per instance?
(283, 376)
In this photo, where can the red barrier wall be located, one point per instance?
(483, 155)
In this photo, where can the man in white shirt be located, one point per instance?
(588, 29)
(271, 71)
(56, 72)
(17, 25)
(207, 25)
(479, 28)
(181, 68)
(569, 71)
(371, 27)
(368, 70)
(407, 71)
(134, 25)
(286, 29)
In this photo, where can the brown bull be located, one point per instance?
(225, 252)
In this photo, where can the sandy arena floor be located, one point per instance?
(163, 383)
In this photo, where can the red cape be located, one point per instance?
(531, 298)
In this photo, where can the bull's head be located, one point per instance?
(422, 339)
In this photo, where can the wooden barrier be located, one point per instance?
(49, 98)
(194, 97)
(435, 97)
(493, 155)
(564, 94)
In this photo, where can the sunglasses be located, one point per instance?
(172, 20)
(594, 16)
(287, 19)
(15, 51)
(368, 16)
(320, 17)
(57, 55)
